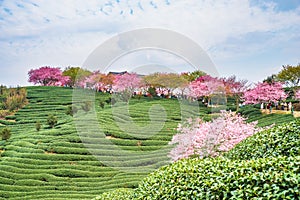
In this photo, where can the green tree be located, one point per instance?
(71, 110)
(5, 133)
(76, 74)
(38, 125)
(290, 75)
(191, 76)
(52, 120)
(271, 79)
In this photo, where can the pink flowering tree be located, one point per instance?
(265, 92)
(235, 88)
(210, 139)
(48, 76)
(297, 95)
(126, 84)
(206, 86)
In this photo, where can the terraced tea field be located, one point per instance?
(90, 153)
(55, 164)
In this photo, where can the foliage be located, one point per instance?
(38, 125)
(101, 104)
(206, 86)
(47, 76)
(126, 84)
(87, 105)
(297, 95)
(265, 92)
(290, 75)
(98, 81)
(5, 133)
(281, 140)
(52, 120)
(4, 113)
(206, 139)
(75, 74)
(71, 110)
(192, 76)
(122, 194)
(152, 91)
(271, 79)
(220, 178)
(235, 88)
(110, 100)
(13, 98)
(249, 111)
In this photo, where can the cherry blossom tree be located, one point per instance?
(48, 76)
(265, 92)
(98, 81)
(210, 139)
(206, 86)
(126, 84)
(235, 88)
(297, 95)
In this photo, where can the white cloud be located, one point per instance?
(63, 33)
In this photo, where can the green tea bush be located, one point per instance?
(249, 111)
(221, 178)
(281, 140)
(122, 193)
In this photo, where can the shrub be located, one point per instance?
(101, 104)
(122, 193)
(249, 111)
(281, 140)
(71, 110)
(52, 120)
(152, 91)
(87, 105)
(4, 113)
(5, 133)
(15, 98)
(221, 178)
(111, 101)
(38, 125)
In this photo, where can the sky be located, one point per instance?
(251, 39)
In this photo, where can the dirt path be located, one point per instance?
(296, 113)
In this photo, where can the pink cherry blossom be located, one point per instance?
(126, 82)
(206, 86)
(265, 92)
(297, 95)
(205, 139)
(48, 76)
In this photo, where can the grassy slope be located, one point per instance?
(54, 164)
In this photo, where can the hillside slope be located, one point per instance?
(55, 164)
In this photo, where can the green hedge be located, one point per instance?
(221, 178)
(122, 193)
(281, 140)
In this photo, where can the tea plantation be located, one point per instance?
(75, 160)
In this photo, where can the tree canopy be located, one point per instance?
(290, 75)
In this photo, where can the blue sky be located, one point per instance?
(249, 38)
